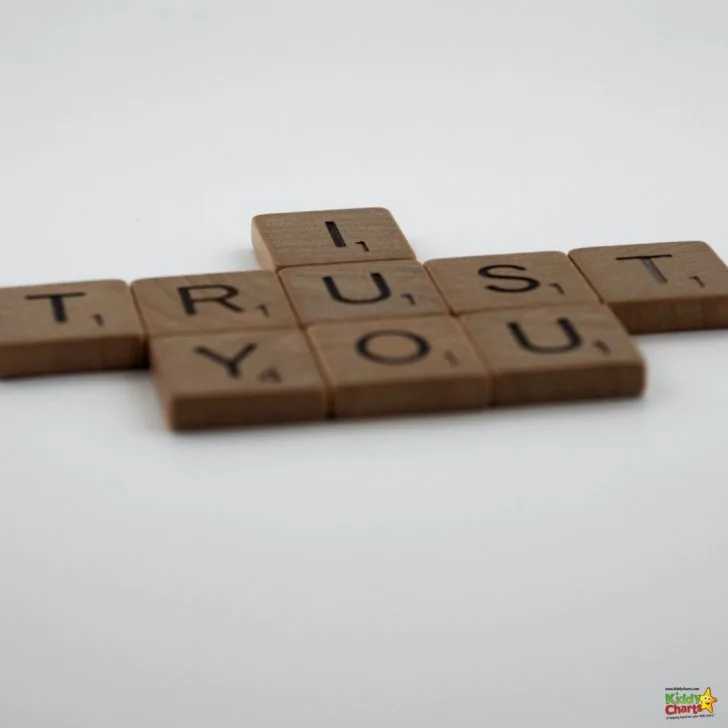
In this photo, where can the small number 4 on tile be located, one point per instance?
(237, 378)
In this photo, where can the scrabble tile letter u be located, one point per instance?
(361, 290)
(557, 353)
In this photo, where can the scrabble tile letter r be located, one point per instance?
(328, 236)
(212, 303)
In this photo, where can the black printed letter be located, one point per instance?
(422, 348)
(189, 303)
(231, 365)
(384, 291)
(56, 299)
(655, 272)
(531, 283)
(574, 339)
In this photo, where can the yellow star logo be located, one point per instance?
(706, 701)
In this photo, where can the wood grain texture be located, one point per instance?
(351, 291)
(328, 236)
(215, 302)
(237, 378)
(658, 287)
(405, 365)
(493, 282)
(69, 327)
(557, 353)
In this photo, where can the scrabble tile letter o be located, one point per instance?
(391, 366)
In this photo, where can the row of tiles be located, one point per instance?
(652, 287)
(396, 365)
(689, 290)
(220, 374)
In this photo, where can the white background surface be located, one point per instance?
(549, 566)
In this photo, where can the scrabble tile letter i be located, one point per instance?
(328, 236)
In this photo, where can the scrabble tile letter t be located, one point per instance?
(69, 327)
(659, 286)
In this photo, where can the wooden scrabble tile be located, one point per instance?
(237, 378)
(69, 327)
(659, 286)
(492, 282)
(328, 236)
(391, 366)
(557, 353)
(361, 290)
(216, 302)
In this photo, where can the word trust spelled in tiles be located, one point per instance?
(237, 378)
(70, 327)
(345, 322)
(329, 236)
(659, 286)
(218, 302)
(361, 290)
(557, 353)
(391, 366)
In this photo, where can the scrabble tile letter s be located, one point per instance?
(494, 282)
(69, 327)
(659, 286)
(328, 236)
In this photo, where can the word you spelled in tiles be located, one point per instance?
(343, 321)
